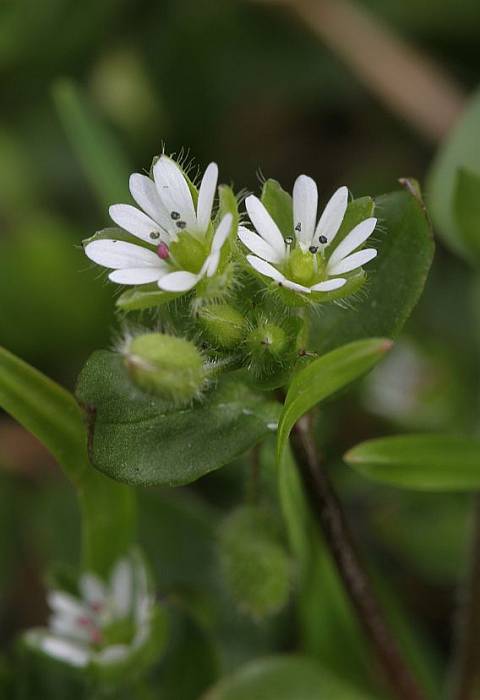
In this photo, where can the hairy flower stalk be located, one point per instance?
(307, 261)
(180, 246)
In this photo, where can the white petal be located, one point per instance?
(134, 221)
(222, 232)
(122, 587)
(211, 264)
(66, 626)
(265, 225)
(64, 603)
(174, 191)
(296, 287)
(145, 193)
(355, 238)
(257, 245)
(328, 285)
(264, 268)
(332, 216)
(63, 649)
(121, 254)
(112, 654)
(305, 200)
(180, 281)
(136, 275)
(92, 589)
(351, 262)
(206, 194)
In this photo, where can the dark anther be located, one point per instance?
(181, 224)
(323, 240)
(289, 240)
(154, 235)
(175, 215)
(313, 248)
(298, 227)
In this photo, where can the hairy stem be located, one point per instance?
(337, 534)
(465, 682)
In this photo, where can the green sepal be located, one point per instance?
(279, 205)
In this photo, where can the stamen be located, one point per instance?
(323, 239)
(175, 215)
(289, 240)
(163, 251)
(313, 249)
(154, 235)
(181, 224)
(298, 227)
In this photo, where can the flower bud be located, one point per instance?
(223, 324)
(255, 565)
(169, 367)
(267, 342)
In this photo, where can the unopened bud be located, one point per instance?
(223, 324)
(255, 565)
(169, 367)
(267, 341)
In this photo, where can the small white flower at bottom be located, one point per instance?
(81, 630)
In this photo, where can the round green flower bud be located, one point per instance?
(169, 367)
(267, 341)
(254, 564)
(223, 324)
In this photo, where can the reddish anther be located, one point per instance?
(163, 251)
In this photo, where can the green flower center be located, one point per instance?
(189, 252)
(305, 268)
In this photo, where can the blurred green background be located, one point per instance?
(92, 91)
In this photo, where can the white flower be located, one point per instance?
(105, 624)
(183, 249)
(299, 262)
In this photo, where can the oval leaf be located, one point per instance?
(138, 438)
(284, 678)
(421, 462)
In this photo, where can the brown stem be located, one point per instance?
(336, 531)
(466, 664)
(410, 83)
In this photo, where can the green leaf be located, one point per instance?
(460, 150)
(466, 204)
(101, 158)
(324, 377)
(279, 204)
(51, 414)
(137, 299)
(284, 678)
(421, 462)
(395, 279)
(138, 438)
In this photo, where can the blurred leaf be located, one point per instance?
(324, 377)
(466, 206)
(395, 279)
(140, 439)
(422, 462)
(51, 414)
(284, 678)
(461, 149)
(97, 151)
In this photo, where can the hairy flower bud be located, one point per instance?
(223, 324)
(255, 566)
(267, 341)
(169, 367)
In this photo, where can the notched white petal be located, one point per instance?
(120, 254)
(352, 262)
(136, 275)
(181, 281)
(332, 217)
(305, 202)
(134, 221)
(206, 195)
(222, 232)
(353, 240)
(145, 193)
(264, 268)
(265, 225)
(174, 192)
(256, 244)
(329, 285)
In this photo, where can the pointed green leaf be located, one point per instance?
(421, 462)
(51, 414)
